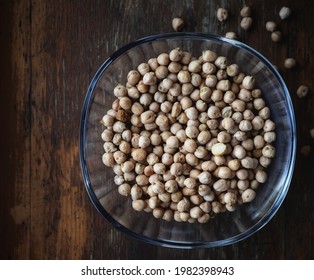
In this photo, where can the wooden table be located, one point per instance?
(49, 52)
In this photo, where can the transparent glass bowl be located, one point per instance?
(225, 228)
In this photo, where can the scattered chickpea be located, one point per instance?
(284, 13)
(231, 35)
(246, 22)
(222, 14)
(245, 11)
(302, 91)
(271, 26)
(177, 24)
(290, 63)
(276, 36)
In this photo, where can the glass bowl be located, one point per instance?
(226, 228)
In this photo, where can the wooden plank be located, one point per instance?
(15, 138)
(60, 213)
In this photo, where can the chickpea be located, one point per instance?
(223, 137)
(127, 166)
(203, 137)
(211, 80)
(222, 14)
(259, 103)
(238, 105)
(108, 159)
(269, 125)
(205, 177)
(141, 180)
(242, 174)
(208, 68)
(124, 189)
(223, 172)
(249, 163)
(176, 197)
(196, 212)
(245, 125)
(230, 198)
(174, 67)
(139, 205)
(248, 195)
(259, 141)
(171, 186)
(177, 24)
(184, 76)
(229, 97)
(213, 112)
(234, 164)
(201, 152)
(248, 82)
(138, 154)
(191, 113)
(268, 151)
(167, 159)
(205, 93)
(191, 132)
(231, 35)
(218, 149)
(269, 136)
(221, 62)
(216, 207)
(223, 85)
(271, 26)
(119, 157)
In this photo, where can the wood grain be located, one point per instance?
(49, 52)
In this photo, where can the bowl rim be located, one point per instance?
(186, 244)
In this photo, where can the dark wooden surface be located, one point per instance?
(49, 53)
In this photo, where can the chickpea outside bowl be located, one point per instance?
(184, 146)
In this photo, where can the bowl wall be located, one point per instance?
(225, 228)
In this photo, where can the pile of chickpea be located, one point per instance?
(188, 137)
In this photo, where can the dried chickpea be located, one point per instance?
(290, 63)
(284, 13)
(222, 14)
(248, 195)
(231, 35)
(302, 91)
(271, 26)
(177, 24)
(246, 23)
(276, 36)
